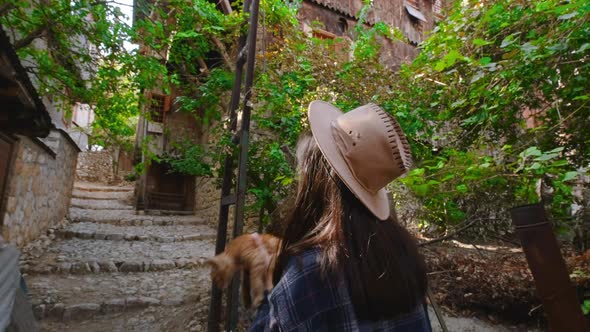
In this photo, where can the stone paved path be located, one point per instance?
(113, 270)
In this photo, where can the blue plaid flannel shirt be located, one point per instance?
(302, 301)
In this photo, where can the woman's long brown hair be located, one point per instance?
(379, 259)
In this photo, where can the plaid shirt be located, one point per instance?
(303, 301)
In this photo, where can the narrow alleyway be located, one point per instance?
(109, 269)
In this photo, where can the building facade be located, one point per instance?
(37, 155)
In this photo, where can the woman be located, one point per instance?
(344, 263)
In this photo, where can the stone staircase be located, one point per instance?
(113, 270)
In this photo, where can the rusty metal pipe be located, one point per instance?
(544, 258)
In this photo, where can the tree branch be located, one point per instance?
(203, 65)
(226, 58)
(448, 236)
(38, 32)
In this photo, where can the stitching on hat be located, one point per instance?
(401, 154)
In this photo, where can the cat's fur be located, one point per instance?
(253, 254)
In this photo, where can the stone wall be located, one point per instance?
(97, 166)
(39, 186)
(207, 195)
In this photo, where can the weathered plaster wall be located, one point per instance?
(40, 186)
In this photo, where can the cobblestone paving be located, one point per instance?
(113, 270)
(100, 204)
(129, 218)
(126, 196)
(150, 232)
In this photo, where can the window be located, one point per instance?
(437, 9)
(342, 26)
(413, 8)
(159, 105)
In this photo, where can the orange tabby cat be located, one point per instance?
(252, 253)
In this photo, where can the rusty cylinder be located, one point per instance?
(547, 266)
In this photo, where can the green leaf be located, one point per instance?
(485, 60)
(547, 156)
(570, 176)
(480, 42)
(462, 188)
(559, 163)
(531, 151)
(534, 166)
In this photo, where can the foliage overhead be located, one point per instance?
(495, 106)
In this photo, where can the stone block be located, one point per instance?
(100, 236)
(115, 237)
(94, 267)
(181, 262)
(113, 306)
(133, 302)
(174, 302)
(108, 266)
(130, 237)
(131, 267)
(84, 235)
(144, 301)
(80, 268)
(147, 222)
(161, 265)
(81, 311)
(39, 311)
(57, 311)
(65, 267)
(10, 204)
(166, 239)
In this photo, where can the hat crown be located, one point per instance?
(366, 148)
(373, 146)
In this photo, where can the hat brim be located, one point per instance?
(321, 115)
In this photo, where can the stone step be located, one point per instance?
(103, 195)
(94, 204)
(79, 297)
(78, 256)
(88, 186)
(129, 218)
(166, 234)
(79, 267)
(150, 319)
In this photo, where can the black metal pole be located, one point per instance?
(544, 258)
(215, 304)
(233, 296)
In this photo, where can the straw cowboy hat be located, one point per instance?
(366, 147)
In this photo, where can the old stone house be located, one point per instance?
(159, 188)
(37, 155)
(414, 18)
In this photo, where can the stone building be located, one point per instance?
(161, 189)
(37, 155)
(414, 18)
